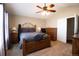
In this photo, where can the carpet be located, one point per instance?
(57, 49)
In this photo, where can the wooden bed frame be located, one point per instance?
(29, 47)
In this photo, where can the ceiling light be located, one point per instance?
(45, 13)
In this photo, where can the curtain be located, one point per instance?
(1, 31)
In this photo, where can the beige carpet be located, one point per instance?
(57, 49)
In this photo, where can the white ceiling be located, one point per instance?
(30, 9)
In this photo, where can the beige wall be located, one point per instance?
(15, 20)
(62, 13)
(58, 20)
(50, 22)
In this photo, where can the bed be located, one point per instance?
(30, 40)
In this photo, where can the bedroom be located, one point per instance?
(54, 25)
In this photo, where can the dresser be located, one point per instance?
(52, 32)
(14, 37)
(75, 45)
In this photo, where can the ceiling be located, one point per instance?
(30, 9)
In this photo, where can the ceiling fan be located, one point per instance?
(46, 8)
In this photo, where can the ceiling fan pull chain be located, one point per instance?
(45, 4)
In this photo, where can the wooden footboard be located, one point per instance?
(32, 46)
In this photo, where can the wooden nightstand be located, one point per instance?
(14, 37)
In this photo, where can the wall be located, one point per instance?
(58, 20)
(61, 30)
(15, 20)
(62, 13)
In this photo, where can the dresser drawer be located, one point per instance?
(14, 34)
(14, 37)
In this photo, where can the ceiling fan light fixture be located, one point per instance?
(52, 5)
(45, 13)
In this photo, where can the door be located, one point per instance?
(70, 29)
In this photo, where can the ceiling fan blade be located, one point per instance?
(51, 10)
(39, 7)
(51, 5)
(38, 11)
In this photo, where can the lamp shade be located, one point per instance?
(38, 29)
(14, 28)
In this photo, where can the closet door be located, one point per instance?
(2, 50)
(70, 29)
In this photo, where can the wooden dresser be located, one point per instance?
(52, 32)
(14, 37)
(75, 45)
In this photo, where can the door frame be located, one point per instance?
(4, 29)
(75, 23)
(72, 20)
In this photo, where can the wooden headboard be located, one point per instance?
(27, 27)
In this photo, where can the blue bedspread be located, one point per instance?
(31, 36)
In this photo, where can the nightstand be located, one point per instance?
(14, 37)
